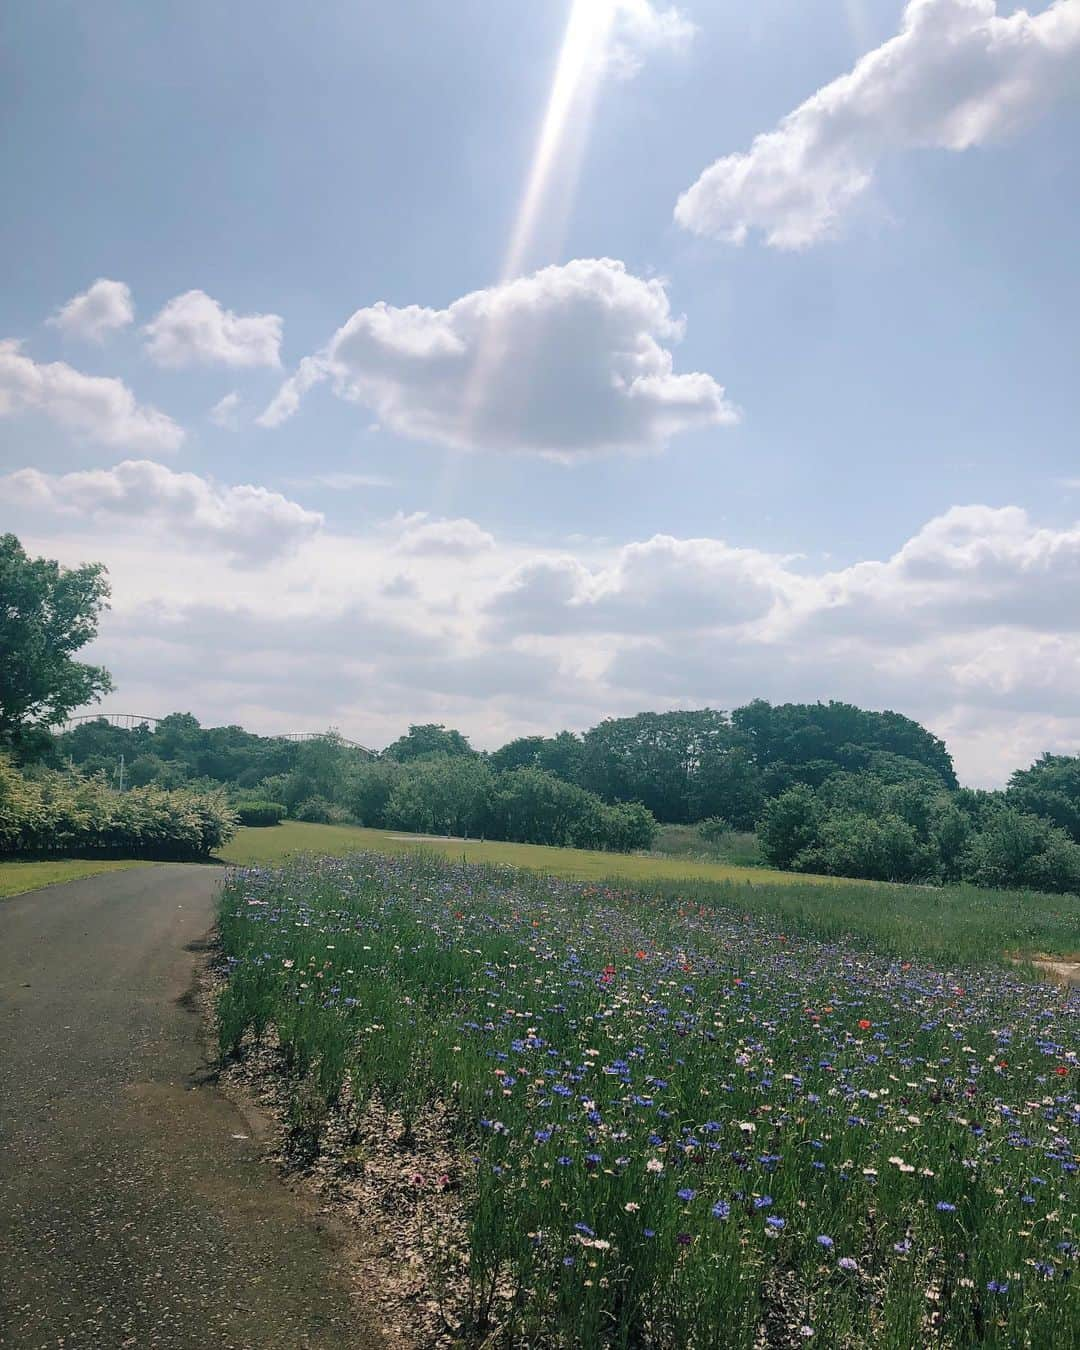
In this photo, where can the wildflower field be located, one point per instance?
(680, 1124)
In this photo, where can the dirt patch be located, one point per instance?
(393, 1203)
(1064, 970)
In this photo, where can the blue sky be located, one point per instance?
(885, 288)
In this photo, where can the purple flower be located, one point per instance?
(762, 1201)
(945, 1207)
(848, 1263)
(997, 1286)
(824, 1241)
(720, 1210)
(774, 1221)
(686, 1194)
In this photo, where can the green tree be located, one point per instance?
(447, 795)
(1050, 788)
(47, 614)
(425, 740)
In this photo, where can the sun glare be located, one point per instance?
(545, 204)
(566, 123)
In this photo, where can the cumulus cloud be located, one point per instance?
(459, 538)
(661, 585)
(98, 407)
(102, 308)
(193, 329)
(970, 625)
(568, 361)
(246, 522)
(957, 75)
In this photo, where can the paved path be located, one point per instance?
(130, 1213)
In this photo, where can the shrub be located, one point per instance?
(254, 812)
(316, 811)
(58, 813)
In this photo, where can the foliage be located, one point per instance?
(427, 740)
(855, 825)
(61, 813)
(1050, 788)
(786, 738)
(177, 750)
(446, 794)
(317, 811)
(676, 1124)
(368, 790)
(47, 614)
(1015, 849)
(251, 811)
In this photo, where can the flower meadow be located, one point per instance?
(679, 1126)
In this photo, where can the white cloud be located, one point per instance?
(662, 585)
(103, 307)
(246, 522)
(193, 329)
(226, 412)
(970, 626)
(957, 75)
(569, 361)
(640, 27)
(455, 538)
(95, 406)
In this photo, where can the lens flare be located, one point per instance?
(553, 174)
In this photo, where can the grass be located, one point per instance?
(676, 1122)
(273, 845)
(960, 924)
(16, 878)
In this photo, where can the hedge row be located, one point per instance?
(48, 812)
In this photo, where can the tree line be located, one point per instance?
(828, 787)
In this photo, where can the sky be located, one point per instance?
(515, 365)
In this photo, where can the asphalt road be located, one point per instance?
(131, 1213)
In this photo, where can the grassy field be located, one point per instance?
(671, 1121)
(950, 923)
(278, 842)
(16, 878)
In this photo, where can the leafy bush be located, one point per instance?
(857, 825)
(254, 812)
(1020, 850)
(317, 811)
(62, 813)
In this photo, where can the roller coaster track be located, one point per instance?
(129, 721)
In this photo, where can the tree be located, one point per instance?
(671, 762)
(425, 740)
(1050, 788)
(787, 739)
(446, 795)
(47, 613)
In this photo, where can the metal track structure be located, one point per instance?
(129, 722)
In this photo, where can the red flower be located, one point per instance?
(865, 1024)
(1061, 1070)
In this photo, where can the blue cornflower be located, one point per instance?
(997, 1286)
(945, 1207)
(686, 1193)
(824, 1241)
(564, 1161)
(762, 1201)
(584, 1228)
(720, 1210)
(774, 1221)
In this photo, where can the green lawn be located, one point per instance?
(18, 877)
(273, 844)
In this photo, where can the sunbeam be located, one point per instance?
(552, 179)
